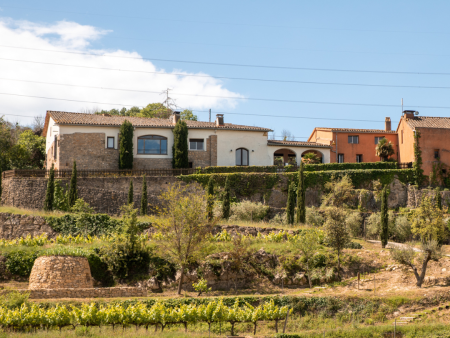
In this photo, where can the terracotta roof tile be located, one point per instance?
(297, 144)
(354, 130)
(429, 122)
(113, 120)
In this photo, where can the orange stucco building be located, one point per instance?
(354, 145)
(434, 139)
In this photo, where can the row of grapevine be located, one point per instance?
(272, 237)
(33, 317)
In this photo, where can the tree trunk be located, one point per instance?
(254, 329)
(232, 329)
(339, 266)
(421, 277)
(180, 284)
(276, 326)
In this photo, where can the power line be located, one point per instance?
(218, 64)
(224, 23)
(200, 111)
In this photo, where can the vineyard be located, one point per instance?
(33, 317)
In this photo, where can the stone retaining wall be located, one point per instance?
(15, 226)
(85, 293)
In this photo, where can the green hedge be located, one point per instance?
(290, 168)
(246, 184)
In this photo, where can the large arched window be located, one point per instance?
(152, 145)
(241, 156)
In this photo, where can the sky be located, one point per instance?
(285, 65)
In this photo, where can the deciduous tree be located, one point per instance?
(307, 244)
(340, 192)
(428, 221)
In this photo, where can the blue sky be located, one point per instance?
(397, 36)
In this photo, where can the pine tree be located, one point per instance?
(384, 218)
(130, 192)
(180, 145)
(126, 145)
(210, 198)
(438, 198)
(226, 201)
(73, 193)
(290, 207)
(144, 200)
(301, 195)
(49, 194)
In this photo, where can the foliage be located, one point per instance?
(248, 211)
(83, 213)
(336, 234)
(290, 206)
(417, 165)
(314, 217)
(64, 250)
(438, 198)
(210, 197)
(50, 192)
(183, 225)
(301, 195)
(340, 192)
(226, 200)
(353, 223)
(402, 231)
(60, 199)
(20, 262)
(428, 221)
(130, 193)
(384, 234)
(14, 299)
(373, 225)
(180, 145)
(152, 110)
(126, 145)
(201, 286)
(144, 199)
(310, 158)
(97, 224)
(307, 244)
(73, 192)
(384, 149)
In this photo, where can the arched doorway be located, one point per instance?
(318, 158)
(282, 157)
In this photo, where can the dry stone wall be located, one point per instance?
(415, 196)
(85, 293)
(61, 272)
(14, 226)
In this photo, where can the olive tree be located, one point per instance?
(307, 244)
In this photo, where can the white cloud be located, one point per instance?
(73, 37)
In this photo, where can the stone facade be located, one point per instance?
(14, 226)
(61, 272)
(85, 293)
(207, 157)
(87, 149)
(152, 163)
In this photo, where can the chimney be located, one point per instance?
(175, 117)
(409, 114)
(219, 120)
(387, 124)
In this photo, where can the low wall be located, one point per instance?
(415, 196)
(15, 226)
(85, 293)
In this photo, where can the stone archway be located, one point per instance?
(284, 156)
(315, 152)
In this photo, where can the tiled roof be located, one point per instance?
(429, 122)
(113, 120)
(297, 144)
(352, 130)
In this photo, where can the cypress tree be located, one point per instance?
(417, 165)
(49, 194)
(210, 202)
(226, 201)
(438, 198)
(290, 207)
(1, 173)
(301, 195)
(180, 145)
(144, 200)
(73, 193)
(130, 192)
(126, 145)
(384, 218)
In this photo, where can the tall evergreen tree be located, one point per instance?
(417, 165)
(49, 194)
(180, 145)
(438, 198)
(73, 192)
(290, 207)
(210, 200)
(1, 173)
(144, 200)
(126, 145)
(301, 195)
(130, 193)
(384, 217)
(226, 205)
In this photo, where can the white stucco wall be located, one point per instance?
(52, 130)
(299, 151)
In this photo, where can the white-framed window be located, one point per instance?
(241, 156)
(110, 142)
(152, 145)
(353, 139)
(378, 138)
(196, 144)
(340, 158)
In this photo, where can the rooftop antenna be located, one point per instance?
(168, 102)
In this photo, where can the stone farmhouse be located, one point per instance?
(93, 142)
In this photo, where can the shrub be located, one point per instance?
(373, 225)
(280, 218)
(402, 229)
(14, 299)
(247, 211)
(63, 250)
(314, 217)
(97, 224)
(99, 269)
(353, 245)
(20, 262)
(353, 222)
(201, 286)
